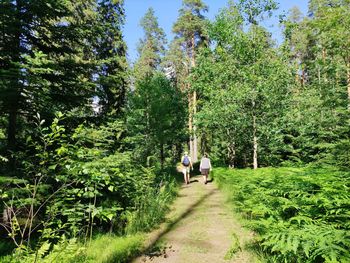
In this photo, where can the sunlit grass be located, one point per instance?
(112, 249)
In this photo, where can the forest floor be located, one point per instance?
(200, 228)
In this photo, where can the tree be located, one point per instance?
(155, 119)
(151, 48)
(297, 41)
(244, 86)
(190, 27)
(110, 50)
(46, 59)
(320, 42)
(174, 66)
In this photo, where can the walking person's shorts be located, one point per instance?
(205, 172)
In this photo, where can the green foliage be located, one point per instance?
(156, 120)
(80, 184)
(60, 60)
(111, 64)
(151, 207)
(191, 23)
(244, 86)
(67, 176)
(278, 105)
(318, 53)
(301, 215)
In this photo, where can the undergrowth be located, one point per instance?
(151, 208)
(102, 249)
(149, 212)
(108, 249)
(301, 215)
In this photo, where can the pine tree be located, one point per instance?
(111, 56)
(173, 64)
(190, 27)
(48, 61)
(26, 38)
(151, 48)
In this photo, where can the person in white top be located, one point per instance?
(205, 167)
(186, 166)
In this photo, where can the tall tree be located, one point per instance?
(190, 27)
(110, 49)
(46, 59)
(297, 41)
(173, 64)
(253, 11)
(151, 48)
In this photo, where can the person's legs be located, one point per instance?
(205, 175)
(184, 171)
(188, 175)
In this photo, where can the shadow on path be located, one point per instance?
(170, 225)
(210, 180)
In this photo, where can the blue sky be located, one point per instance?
(167, 13)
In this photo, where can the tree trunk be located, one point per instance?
(324, 55)
(232, 154)
(231, 150)
(195, 139)
(190, 124)
(193, 109)
(303, 77)
(7, 216)
(255, 144)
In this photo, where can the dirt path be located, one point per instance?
(199, 228)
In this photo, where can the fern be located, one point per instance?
(302, 215)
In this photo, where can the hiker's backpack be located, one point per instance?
(186, 161)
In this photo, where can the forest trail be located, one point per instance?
(200, 228)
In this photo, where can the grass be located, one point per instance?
(111, 249)
(102, 249)
(234, 248)
(151, 208)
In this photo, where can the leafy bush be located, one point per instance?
(301, 215)
(78, 186)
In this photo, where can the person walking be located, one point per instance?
(186, 166)
(205, 167)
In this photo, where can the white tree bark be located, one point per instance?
(255, 144)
